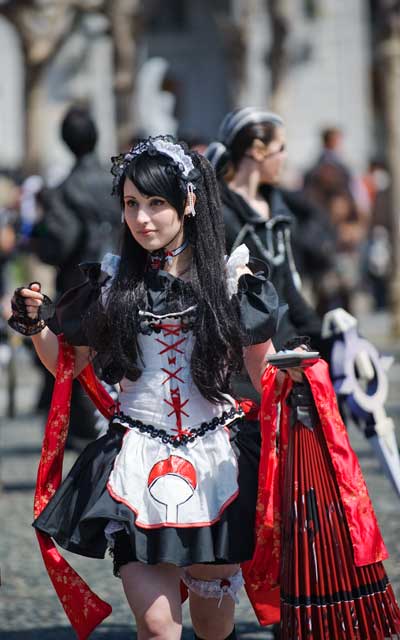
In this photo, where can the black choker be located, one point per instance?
(158, 258)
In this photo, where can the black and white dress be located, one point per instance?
(174, 479)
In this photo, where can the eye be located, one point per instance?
(130, 203)
(157, 202)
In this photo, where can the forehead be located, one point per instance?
(130, 189)
(279, 137)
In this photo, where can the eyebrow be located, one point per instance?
(132, 197)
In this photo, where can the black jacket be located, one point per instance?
(270, 241)
(80, 223)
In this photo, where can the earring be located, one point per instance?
(190, 200)
(122, 217)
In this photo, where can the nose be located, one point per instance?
(142, 217)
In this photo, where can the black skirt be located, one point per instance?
(81, 508)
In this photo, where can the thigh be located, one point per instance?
(212, 571)
(153, 592)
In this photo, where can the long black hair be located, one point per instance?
(217, 351)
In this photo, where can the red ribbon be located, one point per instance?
(84, 608)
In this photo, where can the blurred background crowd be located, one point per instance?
(83, 79)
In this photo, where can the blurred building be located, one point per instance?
(194, 60)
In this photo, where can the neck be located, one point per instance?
(175, 257)
(246, 180)
(180, 264)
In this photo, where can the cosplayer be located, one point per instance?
(249, 160)
(178, 488)
(173, 484)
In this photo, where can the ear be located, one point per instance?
(258, 150)
(190, 204)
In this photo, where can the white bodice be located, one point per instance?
(165, 395)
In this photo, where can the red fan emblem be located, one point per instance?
(172, 482)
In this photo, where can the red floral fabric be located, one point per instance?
(84, 608)
(262, 572)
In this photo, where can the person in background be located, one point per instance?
(9, 194)
(79, 222)
(249, 158)
(378, 255)
(331, 185)
(330, 173)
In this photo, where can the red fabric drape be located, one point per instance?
(262, 572)
(84, 608)
(368, 544)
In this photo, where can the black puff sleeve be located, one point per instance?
(73, 304)
(259, 307)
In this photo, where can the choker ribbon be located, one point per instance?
(159, 258)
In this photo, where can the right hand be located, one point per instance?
(33, 299)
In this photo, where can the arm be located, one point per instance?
(254, 361)
(46, 347)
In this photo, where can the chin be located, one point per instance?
(150, 244)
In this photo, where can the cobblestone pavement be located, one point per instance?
(29, 609)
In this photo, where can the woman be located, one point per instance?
(249, 159)
(173, 483)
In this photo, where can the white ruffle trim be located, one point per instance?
(113, 526)
(215, 588)
(110, 264)
(239, 258)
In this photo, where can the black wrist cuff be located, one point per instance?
(21, 322)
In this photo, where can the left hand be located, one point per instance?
(296, 373)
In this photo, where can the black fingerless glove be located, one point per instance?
(21, 322)
(298, 341)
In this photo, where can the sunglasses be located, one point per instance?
(281, 149)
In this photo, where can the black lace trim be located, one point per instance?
(189, 435)
(148, 325)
